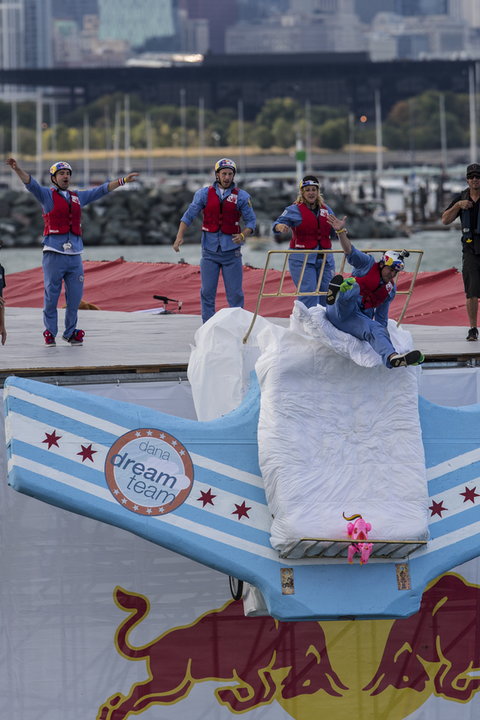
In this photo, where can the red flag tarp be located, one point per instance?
(438, 297)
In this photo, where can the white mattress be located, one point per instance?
(338, 434)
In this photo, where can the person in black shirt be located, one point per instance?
(466, 206)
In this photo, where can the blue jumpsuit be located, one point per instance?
(348, 314)
(291, 216)
(219, 252)
(62, 260)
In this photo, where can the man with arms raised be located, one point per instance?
(63, 243)
(222, 205)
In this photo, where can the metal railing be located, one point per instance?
(280, 292)
(334, 549)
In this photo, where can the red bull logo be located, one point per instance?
(387, 668)
(439, 646)
(247, 654)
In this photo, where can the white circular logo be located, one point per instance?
(149, 471)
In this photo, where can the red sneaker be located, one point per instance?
(49, 338)
(76, 338)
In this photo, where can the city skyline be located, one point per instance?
(52, 33)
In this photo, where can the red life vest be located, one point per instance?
(221, 214)
(313, 231)
(372, 290)
(64, 217)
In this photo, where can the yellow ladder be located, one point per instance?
(297, 293)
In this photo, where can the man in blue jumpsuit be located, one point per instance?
(359, 305)
(63, 244)
(222, 205)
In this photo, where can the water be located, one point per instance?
(441, 250)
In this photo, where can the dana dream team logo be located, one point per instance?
(149, 471)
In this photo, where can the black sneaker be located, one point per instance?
(472, 334)
(333, 288)
(76, 338)
(414, 357)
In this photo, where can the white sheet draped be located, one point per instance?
(337, 436)
(338, 432)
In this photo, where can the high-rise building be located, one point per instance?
(249, 10)
(319, 7)
(38, 34)
(67, 43)
(309, 26)
(194, 34)
(25, 34)
(219, 15)
(367, 9)
(421, 7)
(135, 21)
(413, 37)
(12, 28)
(467, 10)
(74, 9)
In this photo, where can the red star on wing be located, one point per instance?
(469, 494)
(206, 497)
(437, 508)
(52, 439)
(87, 452)
(241, 510)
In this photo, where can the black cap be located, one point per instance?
(473, 168)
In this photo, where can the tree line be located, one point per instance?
(412, 123)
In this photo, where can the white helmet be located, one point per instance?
(309, 180)
(394, 259)
(225, 164)
(60, 166)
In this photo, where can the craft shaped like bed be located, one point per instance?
(338, 436)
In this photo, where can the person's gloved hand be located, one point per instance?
(347, 284)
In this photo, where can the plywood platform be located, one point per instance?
(141, 343)
(114, 342)
(445, 344)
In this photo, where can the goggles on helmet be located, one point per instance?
(60, 166)
(225, 164)
(394, 259)
(306, 183)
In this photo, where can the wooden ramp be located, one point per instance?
(115, 342)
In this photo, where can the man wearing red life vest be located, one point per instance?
(307, 218)
(63, 244)
(359, 305)
(222, 205)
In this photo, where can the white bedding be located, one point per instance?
(338, 432)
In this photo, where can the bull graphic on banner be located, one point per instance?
(309, 668)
